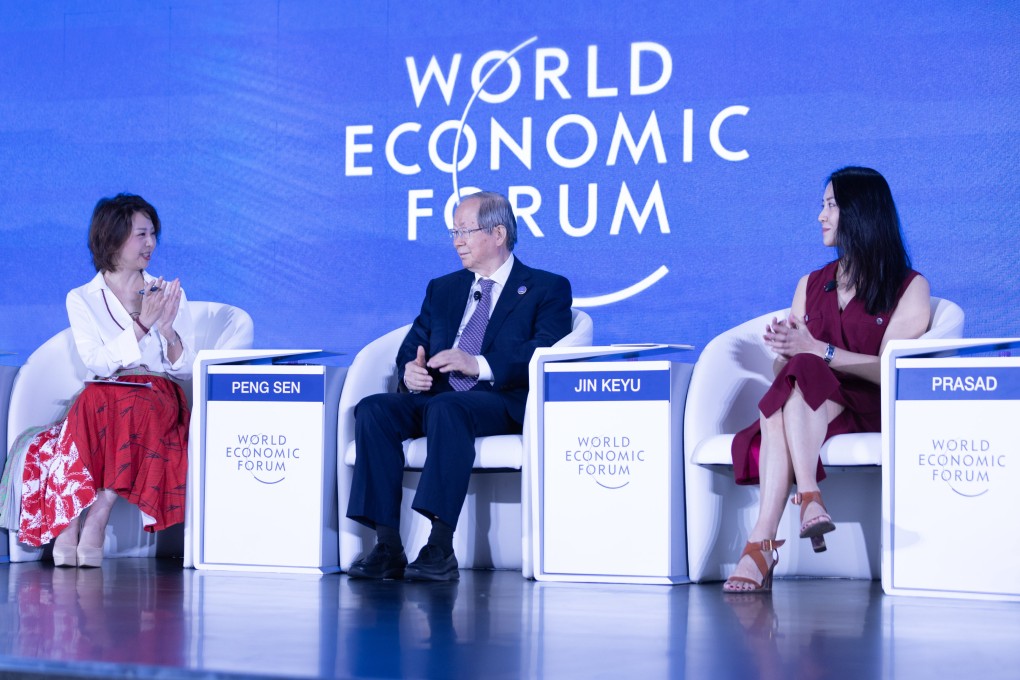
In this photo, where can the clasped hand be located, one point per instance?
(790, 336)
(416, 374)
(160, 306)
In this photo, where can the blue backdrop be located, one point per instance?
(669, 158)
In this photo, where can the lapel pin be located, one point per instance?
(522, 290)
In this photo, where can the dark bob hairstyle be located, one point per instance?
(868, 237)
(111, 227)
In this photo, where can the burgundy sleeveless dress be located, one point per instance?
(851, 329)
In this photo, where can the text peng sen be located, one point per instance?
(263, 387)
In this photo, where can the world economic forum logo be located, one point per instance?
(967, 466)
(264, 456)
(610, 461)
(572, 141)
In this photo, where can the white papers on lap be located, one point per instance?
(115, 381)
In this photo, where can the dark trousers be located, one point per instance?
(450, 420)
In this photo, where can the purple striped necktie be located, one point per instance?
(474, 332)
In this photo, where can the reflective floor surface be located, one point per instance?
(152, 619)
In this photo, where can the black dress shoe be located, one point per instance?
(433, 565)
(382, 562)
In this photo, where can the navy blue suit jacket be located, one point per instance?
(533, 311)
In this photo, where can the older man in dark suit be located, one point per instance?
(464, 374)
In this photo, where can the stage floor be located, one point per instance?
(152, 619)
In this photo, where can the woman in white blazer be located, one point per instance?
(125, 434)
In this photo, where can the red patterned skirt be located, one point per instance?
(132, 439)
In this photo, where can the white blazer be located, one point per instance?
(104, 333)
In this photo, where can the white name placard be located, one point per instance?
(608, 469)
(955, 477)
(263, 474)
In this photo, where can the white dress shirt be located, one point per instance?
(498, 278)
(104, 333)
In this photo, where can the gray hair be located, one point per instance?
(493, 210)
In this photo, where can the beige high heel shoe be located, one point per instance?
(89, 556)
(65, 555)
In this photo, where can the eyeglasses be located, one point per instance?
(463, 233)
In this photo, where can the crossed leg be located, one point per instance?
(791, 439)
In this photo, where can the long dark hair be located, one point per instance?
(868, 237)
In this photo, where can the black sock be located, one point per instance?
(388, 536)
(442, 536)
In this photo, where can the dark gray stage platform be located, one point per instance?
(151, 619)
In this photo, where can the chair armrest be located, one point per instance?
(373, 371)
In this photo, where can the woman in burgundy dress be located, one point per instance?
(827, 366)
(126, 433)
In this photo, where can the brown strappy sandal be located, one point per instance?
(817, 527)
(755, 551)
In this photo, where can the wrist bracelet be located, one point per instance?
(144, 328)
(829, 352)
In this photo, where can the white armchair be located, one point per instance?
(489, 533)
(54, 373)
(730, 377)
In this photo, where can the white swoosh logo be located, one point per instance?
(629, 291)
(474, 95)
(598, 300)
